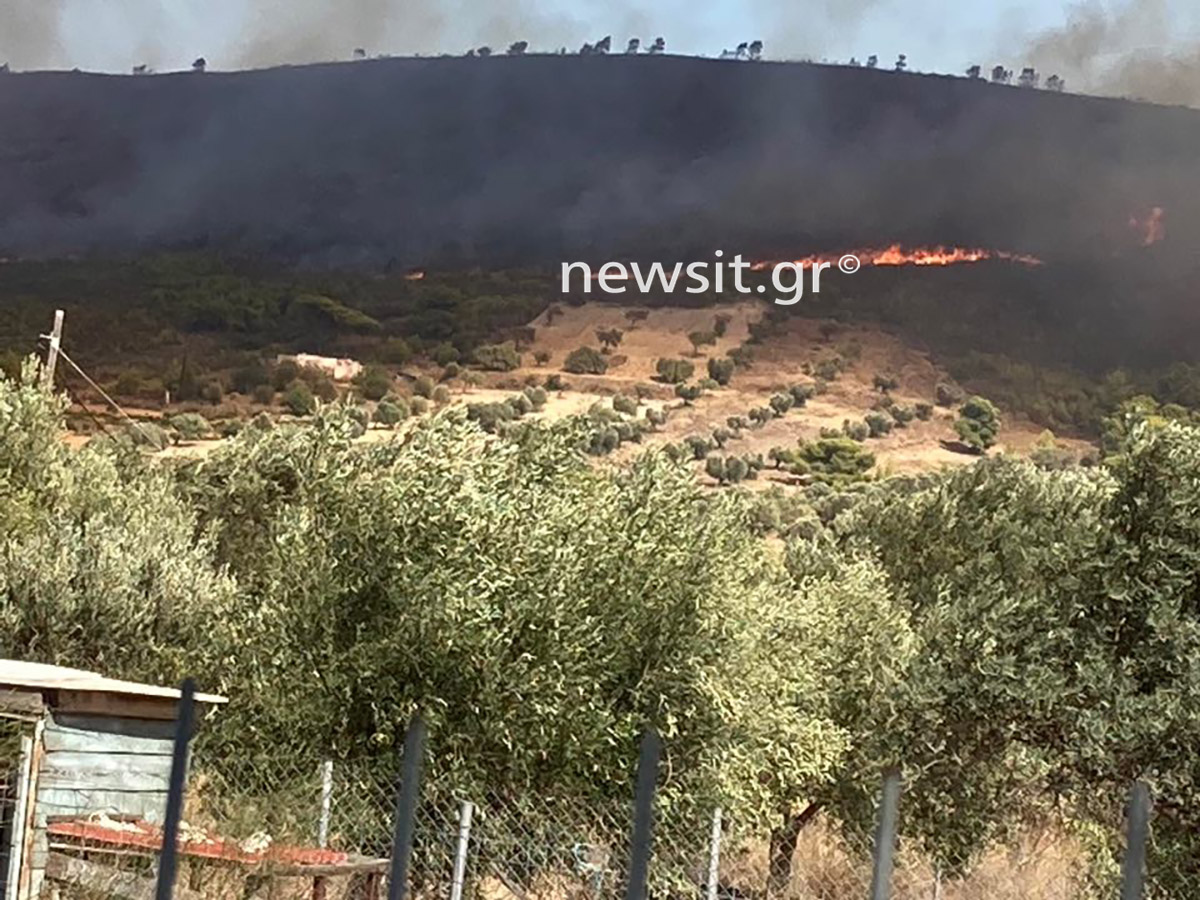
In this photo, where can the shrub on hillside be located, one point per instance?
(720, 370)
(978, 424)
(390, 413)
(498, 357)
(674, 371)
(585, 361)
(374, 382)
(624, 404)
(299, 398)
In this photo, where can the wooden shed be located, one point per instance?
(75, 744)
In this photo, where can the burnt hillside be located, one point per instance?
(535, 159)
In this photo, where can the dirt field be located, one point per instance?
(779, 362)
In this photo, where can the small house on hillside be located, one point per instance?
(76, 745)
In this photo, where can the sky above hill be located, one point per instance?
(1086, 41)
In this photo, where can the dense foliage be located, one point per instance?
(1017, 640)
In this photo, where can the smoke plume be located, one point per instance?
(30, 32)
(1130, 52)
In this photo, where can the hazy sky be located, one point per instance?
(937, 35)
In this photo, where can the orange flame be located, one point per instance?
(897, 255)
(1152, 228)
(414, 275)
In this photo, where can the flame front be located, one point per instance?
(898, 255)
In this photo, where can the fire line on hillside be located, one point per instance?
(897, 255)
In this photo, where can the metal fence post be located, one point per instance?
(1134, 868)
(643, 813)
(326, 803)
(461, 850)
(320, 882)
(885, 836)
(714, 855)
(168, 856)
(406, 808)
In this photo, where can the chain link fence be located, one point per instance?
(293, 827)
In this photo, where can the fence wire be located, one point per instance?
(286, 827)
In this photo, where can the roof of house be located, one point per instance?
(39, 676)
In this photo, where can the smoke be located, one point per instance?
(30, 32)
(299, 31)
(1133, 51)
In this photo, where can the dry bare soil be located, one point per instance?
(778, 362)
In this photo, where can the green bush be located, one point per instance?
(743, 356)
(395, 351)
(828, 369)
(856, 431)
(688, 393)
(836, 460)
(801, 393)
(264, 394)
(884, 383)
(498, 357)
(700, 339)
(585, 361)
(284, 373)
(720, 370)
(211, 392)
(924, 411)
(674, 371)
(445, 353)
(878, 424)
(699, 446)
(389, 413)
(536, 395)
(423, 386)
(374, 382)
(441, 395)
(624, 404)
(299, 398)
(978, 423)
(189, 426)
(781, 403)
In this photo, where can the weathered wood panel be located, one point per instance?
(103, 733)
(96, 764)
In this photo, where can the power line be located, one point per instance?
(115, 405)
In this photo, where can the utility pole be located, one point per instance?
(55, 338)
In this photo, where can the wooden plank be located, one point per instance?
(133, 763)
(119, 705)
(27, 702)
(29, 883)
(115, 780)
(107, 880)
(99, 735)
(148, 805)
(361, 867)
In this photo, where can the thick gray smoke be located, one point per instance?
(297, 31)
(1133, 51)
(30, 32)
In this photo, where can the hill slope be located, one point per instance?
(535, 159)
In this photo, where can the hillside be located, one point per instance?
(535, 159)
